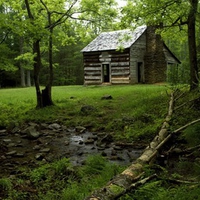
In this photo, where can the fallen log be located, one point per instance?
(129, 178)
(122, 182)
(139, 183)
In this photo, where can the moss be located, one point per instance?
(115, 189)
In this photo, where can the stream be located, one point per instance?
(35, 143)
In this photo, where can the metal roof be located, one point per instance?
(115, 40)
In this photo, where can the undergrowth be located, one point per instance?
(134, 114)
(59, 180)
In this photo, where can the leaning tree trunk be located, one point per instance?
(44, 97)
(122, 183)
(192, 45)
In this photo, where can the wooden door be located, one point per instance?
(106, 72)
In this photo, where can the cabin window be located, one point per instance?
(106, 72)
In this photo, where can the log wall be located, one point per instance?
(120, 70)
(92, 68)
(137, 52)
(119, 63)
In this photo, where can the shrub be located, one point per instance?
(191, 135)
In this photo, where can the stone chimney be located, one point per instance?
(154, 59)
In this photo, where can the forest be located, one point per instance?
(61, 139)
(65, 29)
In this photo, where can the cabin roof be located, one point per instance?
(171, 54)
(115, 39)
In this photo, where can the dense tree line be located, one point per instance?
(43, 27)
(74, 22)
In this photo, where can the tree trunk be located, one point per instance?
(37, 65)
(22, 71)
(46, 93)
(192, 45)
(28, 78)
(44, 97)
(36, 59)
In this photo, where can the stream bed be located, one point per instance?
(35, 143)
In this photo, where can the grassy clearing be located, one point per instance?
(135, 111)
(134, 114)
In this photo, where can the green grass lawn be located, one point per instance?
(133, 111)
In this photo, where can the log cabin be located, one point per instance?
(127, 57)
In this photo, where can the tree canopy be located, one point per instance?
(45, 26)
(167, 14)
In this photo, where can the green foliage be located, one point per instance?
(7, 63)
(191, 135)
(57, 169)
(40, 174)
(59, 180)
(103, 14)
(94, 165)
(156, 191)
(152, 12)
(181, 193)
(191, 168)
(96, 172)
(73, 192)
(70, 22)
(5, 184)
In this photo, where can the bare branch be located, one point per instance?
(29, 10)
(63, 18)
(180, 106)
(5, 37)
(185, 126)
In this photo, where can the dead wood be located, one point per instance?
(189, 151)
(185, 103)
(178, 181)
(123, 182)
(192, 148)
(178, 97)
(177, 131)
(138, 183)
(185, 126)
(143, 181)
(120, 184)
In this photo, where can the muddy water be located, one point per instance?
(17, 150)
